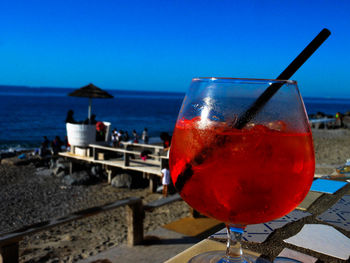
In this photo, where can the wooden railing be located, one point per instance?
(9, 242)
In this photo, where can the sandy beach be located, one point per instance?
(31, 194)
(331, 147)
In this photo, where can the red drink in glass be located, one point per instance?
(248, 176)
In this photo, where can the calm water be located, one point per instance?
(27, 114)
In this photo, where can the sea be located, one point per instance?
(29, 113)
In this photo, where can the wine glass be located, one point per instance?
(241, 170)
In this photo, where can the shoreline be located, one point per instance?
(31, 194)
(36, 145)
(32, 146)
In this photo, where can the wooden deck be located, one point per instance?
(127, 158)
(148, 166)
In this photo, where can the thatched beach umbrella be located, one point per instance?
(90, 91)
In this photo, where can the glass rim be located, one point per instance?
(214, 79)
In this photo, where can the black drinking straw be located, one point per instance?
(249, 114)
(285, 75)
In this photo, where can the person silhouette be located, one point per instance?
(70, 118)
(145, 136)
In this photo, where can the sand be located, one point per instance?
(29, 194)
(331, 147)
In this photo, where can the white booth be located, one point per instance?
(81, 135)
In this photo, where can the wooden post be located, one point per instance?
(152, 183)
(9, 253)
(70, 167)
(126, 159)
(134, 218)
(72, 149)
(109, 173)
(157, 152)
(94, 153)
(126, 155)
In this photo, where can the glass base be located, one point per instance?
(219, 257)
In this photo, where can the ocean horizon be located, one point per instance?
(29, 113)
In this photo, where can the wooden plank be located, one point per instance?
(148, 162)
(9, 253)
(157, 149)
(120, 150)
(106, 148)
(133, 165)
(163, 201)
(152, 183)
(195, 227)
(11, 237)
(135, 216)
(143, 145)
(78, 157)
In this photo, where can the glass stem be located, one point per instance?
(234, 253)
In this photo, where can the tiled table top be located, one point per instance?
(259, 232)
(337, 215)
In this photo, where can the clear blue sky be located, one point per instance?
(163, 44)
